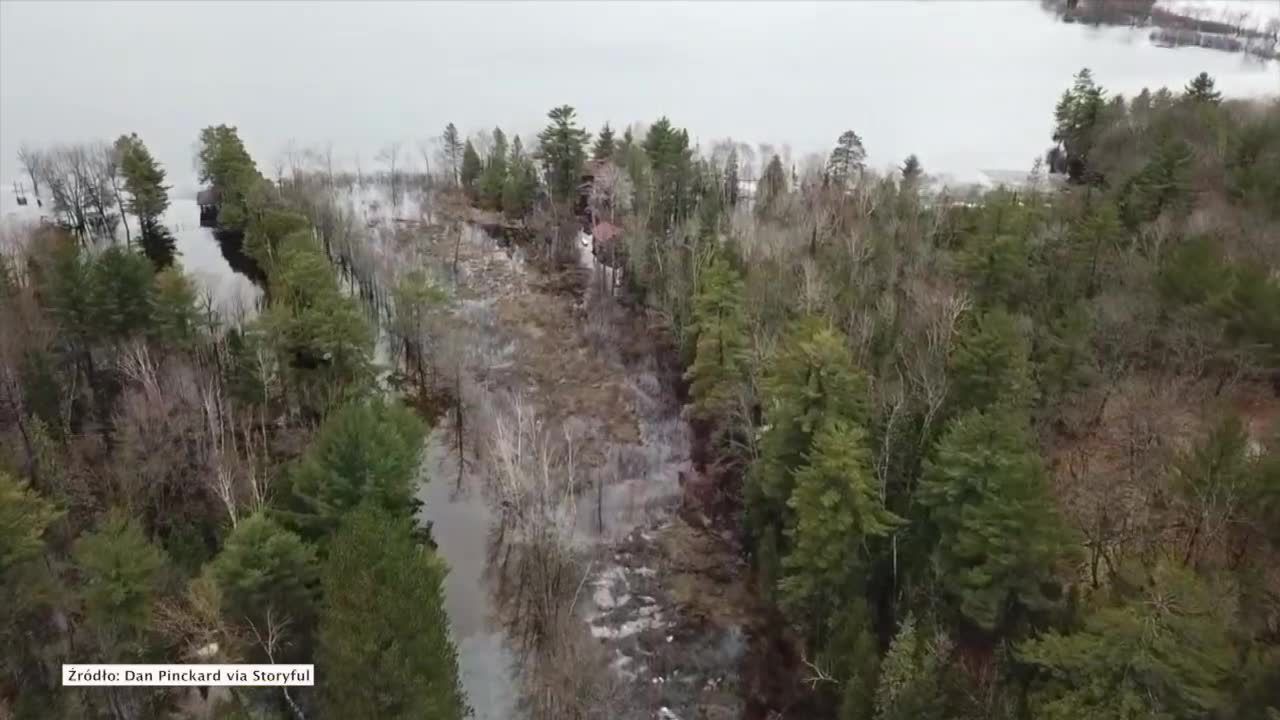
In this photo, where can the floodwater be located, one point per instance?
(965, 85)
(232, 296)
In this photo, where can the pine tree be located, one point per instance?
(912, 171)
(812, 381)
(605, 145)
(453, 151)
(910, 686)
(521, 187)
(990, 365)
(120, 287)
(120, 574)
(1201, 90)
(384, 635)
(847, 160)
(227, 166)
(672, 173)
(1164, 653)
(175, 319)
(731, 180)
(27, 585)
(1075, 119)
(561, 149)
(772, 189)
(266, 574)
(471, 169)
(494, 177)
(999, 535)
(838, 511)
(719, 364)
(148, 197)
(366, 451)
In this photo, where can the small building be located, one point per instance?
(606, 240)
(208, 200)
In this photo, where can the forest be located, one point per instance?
(1007, 454)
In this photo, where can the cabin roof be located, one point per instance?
(208, 196)
(605, 232)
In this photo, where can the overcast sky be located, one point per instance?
(965, 85)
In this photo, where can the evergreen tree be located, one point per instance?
(227, 166)
(366, 451)
(453, 150)
(321, 336)
(1164, 653)
(812, 381)
(27, 586)
(990, 365)
(1164, 183)
(120, 287)
(471, 169)
(847, 160)
(999, 535)
(561, 149)
(731, 180)
(772, 189)
(912, 172)
(1201, 90)
(719, 364)
(838, 511)
(671, 169)
(494, 177)
(521, 187)
(384, 635)
(1075, 119)
(120, 577)
(910, 686)
(605, 145)
(266, 573)
(148, 197)
(175, 319)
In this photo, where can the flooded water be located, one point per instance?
(219, 286)
(965, 85)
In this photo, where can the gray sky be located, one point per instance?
(964, 85)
